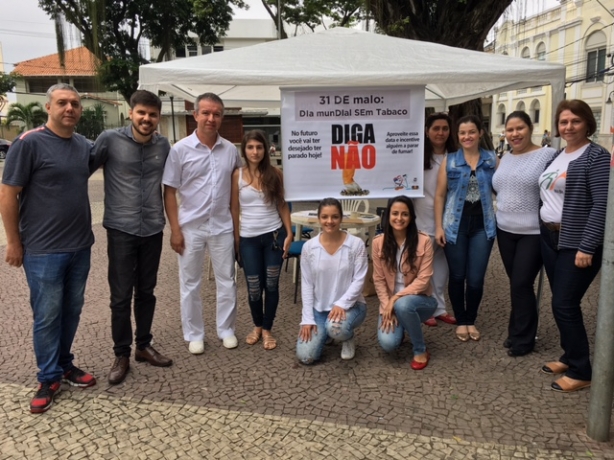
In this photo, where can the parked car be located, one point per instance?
(4, 147)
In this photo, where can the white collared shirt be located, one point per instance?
(202, 177)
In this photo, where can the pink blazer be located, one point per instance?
(417, 282)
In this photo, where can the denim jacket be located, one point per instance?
(458, 172)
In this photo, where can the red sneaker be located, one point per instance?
(431, 322)
(446, 318)
(78, 378)
(43, 399)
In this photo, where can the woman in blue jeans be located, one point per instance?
(333, 272)
(465, 222)
(402, 270)
(262, 232)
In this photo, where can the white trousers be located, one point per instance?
(191, 265)
(439, 280)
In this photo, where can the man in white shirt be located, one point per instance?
(199, 169)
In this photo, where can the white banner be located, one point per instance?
(355, 142)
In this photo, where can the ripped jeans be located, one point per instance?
(310, 352)
(262, 259)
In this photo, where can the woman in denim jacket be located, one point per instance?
(465, 223)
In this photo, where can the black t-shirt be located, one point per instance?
(54, 208)
(473, 204)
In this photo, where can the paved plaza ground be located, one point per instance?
(471, 402)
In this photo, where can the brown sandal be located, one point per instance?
(253, 337)
(567, 385)
(269, 342)
(554, 368)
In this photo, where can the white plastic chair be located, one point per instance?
(350, 206)
(354, 205)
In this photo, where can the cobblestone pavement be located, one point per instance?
(471, 402)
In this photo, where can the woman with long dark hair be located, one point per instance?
(437, 143)
(333, 272)
(262, 231)
(402, 270)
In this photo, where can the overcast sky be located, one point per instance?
(26, 32)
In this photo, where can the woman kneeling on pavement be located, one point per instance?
(333, 271)
(402, 270)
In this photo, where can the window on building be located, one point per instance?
(180, 52)
(526, 53)
(501, 113)
(540, 52)
(207, 49)
(87, 85)
(218, 48)
(41, 85)
(597, 114)
(535, 109)
(520, 106)
(192, 50)
(595, 56)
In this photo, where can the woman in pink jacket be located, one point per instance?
(402, 270)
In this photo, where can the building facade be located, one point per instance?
(35, 76)
(578, 34)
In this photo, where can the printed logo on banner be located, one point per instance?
(353, 143)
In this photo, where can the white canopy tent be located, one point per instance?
(339, 57)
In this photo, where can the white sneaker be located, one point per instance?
(230, 342)
(348, 349)
(197, 347)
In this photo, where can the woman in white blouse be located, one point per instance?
(333, 271)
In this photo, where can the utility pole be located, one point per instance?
(602, 387)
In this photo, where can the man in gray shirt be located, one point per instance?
(133, 159)
(46, 214)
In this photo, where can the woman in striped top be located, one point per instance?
(574, 192)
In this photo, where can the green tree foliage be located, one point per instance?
(459, 23)
(7, 84)
(91, 123)
(28, 116)
(311, 13)
(112, 29)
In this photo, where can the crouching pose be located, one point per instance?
(402, 270)
(333, 271)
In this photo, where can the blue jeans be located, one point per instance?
(467, 261)
(57, 285)
(569, 284)
(310, 352)
(262, 259)
(411, 311)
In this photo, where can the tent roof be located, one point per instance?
(340, 57)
